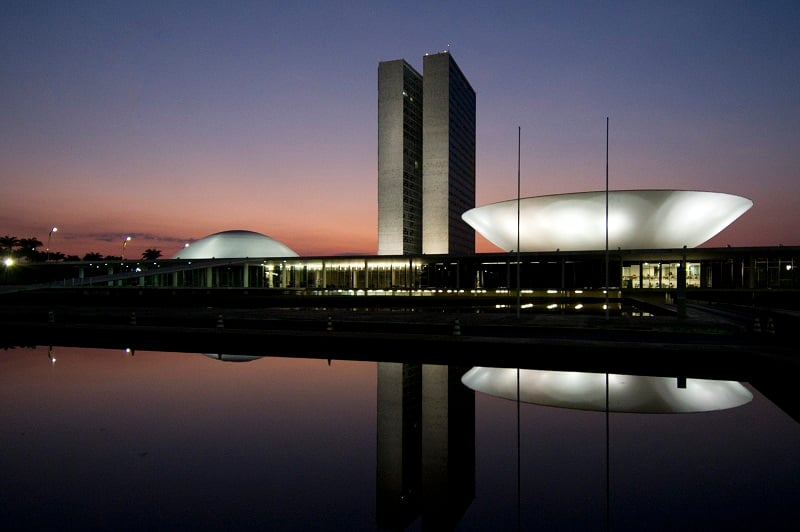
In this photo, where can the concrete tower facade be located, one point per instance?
(426, 157)
(448, 157)
(399, 159)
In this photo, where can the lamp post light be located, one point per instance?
(49, 236)
(8, 262)
(125, 243)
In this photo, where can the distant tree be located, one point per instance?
(30, 243)
(27, 249)
(56, 256)
(151, 254)
(8, 243)
(71, 258)
(93, 256)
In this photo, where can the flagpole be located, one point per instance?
(519, 287)
(606, 217)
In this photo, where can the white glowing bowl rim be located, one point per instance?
(637, 219)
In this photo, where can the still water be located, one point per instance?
(113, 440)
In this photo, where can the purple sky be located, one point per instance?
(169, 121)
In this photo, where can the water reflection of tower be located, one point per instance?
(426, 445)
(399, 443)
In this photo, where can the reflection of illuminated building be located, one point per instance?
(399, 443)
(626, 393)
(448, 446)
(226, 357)
(426, 445)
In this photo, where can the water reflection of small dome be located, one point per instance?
(235, 244)
(231, 358)
(626, 393)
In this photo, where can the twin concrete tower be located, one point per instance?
(426, 157)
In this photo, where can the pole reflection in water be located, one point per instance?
(111, 441)
(519, 461)
(608, 458)
(603, 392)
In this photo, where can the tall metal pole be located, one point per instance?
(519, 306)
(606, 217)
(519, 286)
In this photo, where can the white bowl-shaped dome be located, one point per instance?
(637, 219)
(626, 393)
(233, 245)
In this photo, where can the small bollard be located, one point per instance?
(220, 323)
(51, 317)
(757, 325)
(457, 328)
(329, 327)
(770, 326)
(133, 318)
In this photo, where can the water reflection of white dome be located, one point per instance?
(637, 219)
(626, 393)
(235, 244)
(232, 358)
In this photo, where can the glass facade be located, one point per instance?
(768, 268)
(659, 275)
(412, 162)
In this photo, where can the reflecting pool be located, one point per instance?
(99, 439)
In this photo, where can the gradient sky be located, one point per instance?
(169, 121)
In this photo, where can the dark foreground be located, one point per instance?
(145, 438)
(703, 343)
(709, 341)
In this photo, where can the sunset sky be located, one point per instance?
(168, 121)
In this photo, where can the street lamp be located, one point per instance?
(49, 236)
(125, 243)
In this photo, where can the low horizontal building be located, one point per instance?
(633, 269)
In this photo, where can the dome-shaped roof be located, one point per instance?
(235, 244)
(637, 219)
